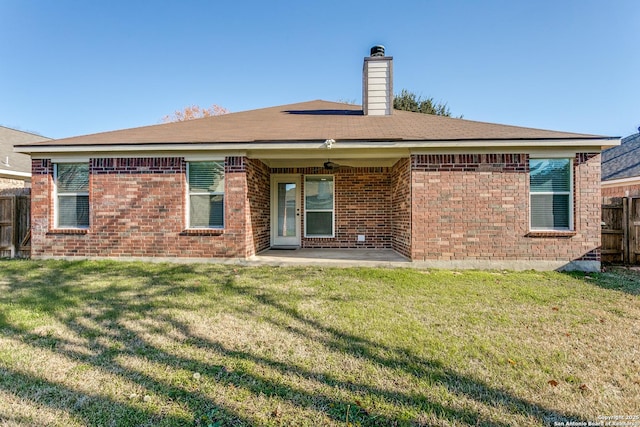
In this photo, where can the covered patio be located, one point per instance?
(341, 203)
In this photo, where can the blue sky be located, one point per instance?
(77, 67)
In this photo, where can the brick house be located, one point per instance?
(621, 168)
(441, 191)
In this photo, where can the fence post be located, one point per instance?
(626, 225)
(23, 233)
(14, 232)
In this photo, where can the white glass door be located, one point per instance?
(285, 210)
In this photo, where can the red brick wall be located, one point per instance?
(363, 207)
(458, 207)
(621, 191)
(259, 210)
(138, 210)
(401, 207)
(587, 206)
(41, 206)
(476, 207)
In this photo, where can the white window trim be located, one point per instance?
(332, 210)
(209, 193)
(569, 193)
(57, 194)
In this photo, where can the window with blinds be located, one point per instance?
(206, 194)
(318, 205)
(72, 195)
(551, 197)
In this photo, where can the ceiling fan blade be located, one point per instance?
(331, 165)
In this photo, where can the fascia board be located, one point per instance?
(11, 174)
(314, 145)
(493, 143)
(620, 181)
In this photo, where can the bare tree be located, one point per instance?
(194, 112)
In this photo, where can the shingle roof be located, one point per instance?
(17, 162)
(311, 121)
(622, 161)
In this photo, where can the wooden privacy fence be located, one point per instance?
(15, 226)
(621, 230)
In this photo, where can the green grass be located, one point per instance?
(110, 343)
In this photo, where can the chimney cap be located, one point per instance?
(377, 50)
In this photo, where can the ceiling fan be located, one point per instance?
(329, 165)
(334, 166)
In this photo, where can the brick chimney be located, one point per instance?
(377, 83)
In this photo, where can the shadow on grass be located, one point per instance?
(613, 277)
(57, 292)
(60, 289)
(402, 360)
(92, 409)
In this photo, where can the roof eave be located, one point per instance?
(615, 182)
(6, 173)
(599, 142)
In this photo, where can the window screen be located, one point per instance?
(206, 194)
(318, 204)
(72, 188)
(550, 194)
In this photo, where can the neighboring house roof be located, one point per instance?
(15, 165)
(622, 161)
(311, 122)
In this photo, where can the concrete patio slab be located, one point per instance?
(332, 257)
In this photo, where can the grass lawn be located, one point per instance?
(111, 344)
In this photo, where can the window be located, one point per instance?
(206, 194)
(72, 195)
(318, 206)
(551, 196)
